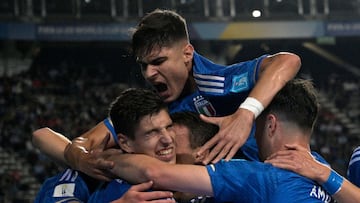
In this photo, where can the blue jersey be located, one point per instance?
(354, 167)
(110, 191)
(67, 186)
(251, 181)
(220, 91)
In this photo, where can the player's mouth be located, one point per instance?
(161, 89)
(166, 154)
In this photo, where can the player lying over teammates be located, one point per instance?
(143, 126)
(187, 81)
(289, 119)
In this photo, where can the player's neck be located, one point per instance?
(189, 87)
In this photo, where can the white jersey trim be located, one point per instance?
(205, 89)
(209, 77)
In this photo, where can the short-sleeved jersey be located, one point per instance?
(353, 172)
(67, 186)
(110, 191)
(252, 181)
(220, 91)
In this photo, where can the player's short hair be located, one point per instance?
(159, 28)
(200, 131)
(131, 106)
(296, 102)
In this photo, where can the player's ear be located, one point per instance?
(271, 124)
(188, 53)
(125, 143)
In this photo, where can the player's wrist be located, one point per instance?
(253, 105)
(72, 155)
(68, 156)
(333, 183)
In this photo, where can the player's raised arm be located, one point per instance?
(51, 143)
(275, 71)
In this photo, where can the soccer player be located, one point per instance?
(146, 128)
(191, 133)
(289, 119)
(235, 94)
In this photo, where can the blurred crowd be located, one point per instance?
(72, 98)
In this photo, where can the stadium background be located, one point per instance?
(63, 61)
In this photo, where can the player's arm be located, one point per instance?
(299, 160)
(80, 154)
(137, 168)
(274, 72)
(51, 143)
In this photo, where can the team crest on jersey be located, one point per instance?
(203, 106)
(240, 83)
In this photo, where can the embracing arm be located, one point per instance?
(275, 71)
(80, 154)
(299, 160)
(137, 168)
(51, 143)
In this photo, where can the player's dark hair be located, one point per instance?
(296, 102)
(131, 106)
(200, 131)
(159, 28)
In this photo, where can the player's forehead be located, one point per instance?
(155, 53)
(153, 122)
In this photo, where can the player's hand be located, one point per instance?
(233, 133)
(139, 194)
(299, 160)
(92, 161)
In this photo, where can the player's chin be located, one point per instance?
(167, 97)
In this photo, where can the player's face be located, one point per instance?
(167, 69)
(184, 152)
(155, 137)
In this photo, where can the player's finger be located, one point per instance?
(232, 152)
(156, 195)
(214, 152)
(224, 151)
(142, 186)
(208, 145)
(213, 120)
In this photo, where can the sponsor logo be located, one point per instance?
(240, 83)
